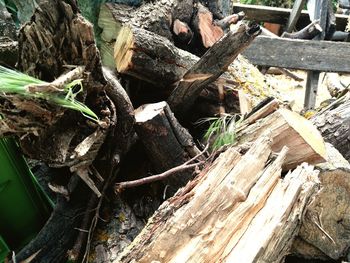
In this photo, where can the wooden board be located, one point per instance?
(295, 14)
(299, 54)
(281, 15)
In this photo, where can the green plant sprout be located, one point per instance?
(221, 131)
(14, 82)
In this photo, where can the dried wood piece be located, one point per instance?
(325, 224)
(210, 66)
(278, 222)
(8, 52)
(182, 32)
(333, 123)
(149, 57)
(334, 86)
(204, 26)
(204, 211)
(167, 143)
(308, 32)
(288, 129)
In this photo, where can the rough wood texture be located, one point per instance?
(334, 86)
(291, 130)
(214, 216)
(280, 15)
(150, 57)
(295, 14)
(155, 16)
(277, 229)
(334, 126)
(325, 224)
(210, 66)
(299, 54)
(219, 8)
(167, 143)
(43, 53)
(204, 26)
(215, 192)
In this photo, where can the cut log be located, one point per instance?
(151, 58)
(204, 26)
(291, 130)
(7, 25)
(211, 65)
(167, 143)
(219, 8)
(325, 224)
(213, 216)
(334, 123)
(155, 16)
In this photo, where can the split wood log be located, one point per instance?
(333, 123)
(208, 219)
(167, 143)
(291, 130)
(325, 223)
(210, 66)
(219, 8)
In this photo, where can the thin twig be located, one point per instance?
(161, 176)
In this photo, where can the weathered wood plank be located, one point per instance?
(299, 54)
(281, 15)
(295, 14)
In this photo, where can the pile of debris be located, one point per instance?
(274, 188)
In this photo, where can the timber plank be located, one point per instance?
(281, 15)
(324, 56)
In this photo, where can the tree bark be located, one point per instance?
(325, 224)
(334, 123)
(227, 203)
(167, 143)
(213, 64)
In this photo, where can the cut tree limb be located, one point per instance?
(210, 66)
(167, 143)
(308, 32)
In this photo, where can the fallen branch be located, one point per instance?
(157, 177)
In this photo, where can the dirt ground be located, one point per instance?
(294, 91)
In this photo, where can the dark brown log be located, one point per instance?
(167, 143)
(308, 32)
(182, 32)
(213, 63)
(231, 19)
(333, 123)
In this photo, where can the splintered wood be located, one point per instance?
(290, 129)
(213, 217)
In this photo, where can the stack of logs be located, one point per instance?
(278, 190)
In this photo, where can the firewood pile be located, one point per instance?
(150, 179)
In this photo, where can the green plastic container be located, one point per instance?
(4, 250)
(24, 208)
